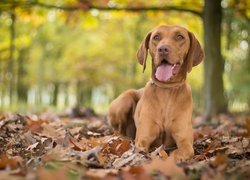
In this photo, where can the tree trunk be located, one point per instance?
(248, 66)
(66, 93)
(11, 57)
(40, 79)
(138, 37)
(79, 93)
(215, 101)
(55, 94)
(87, 96)
(83, 94)
(22, 88)
(2, 83)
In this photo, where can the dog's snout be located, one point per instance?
(163, 49)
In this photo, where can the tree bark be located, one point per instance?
(248, 64)
(66, 93)
(22, 88)
(2, 83)
(55, 94)
(11, 74)
(40, 79)
(215, 101)
(84, 94)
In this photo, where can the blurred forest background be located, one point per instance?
(56, 54)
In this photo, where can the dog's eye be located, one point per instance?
(179, 37)
(156, 37)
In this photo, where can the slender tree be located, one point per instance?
(11, 74)
(215, 101)
(22, 88)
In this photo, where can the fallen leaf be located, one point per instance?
(135, 172)
(35, 126)
(245, 142)
(168, 167)
(220, 161)
(61, 174)
(57, 153)
(211, 174)
(101, 173)
(118, 163)
(116, 146)
(163, 154)
(81, 145)
(12, 162)
(33, 146)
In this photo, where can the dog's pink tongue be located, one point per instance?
(164, 72)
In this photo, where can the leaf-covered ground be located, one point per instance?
(49, 146)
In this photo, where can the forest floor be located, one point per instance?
(50, 146)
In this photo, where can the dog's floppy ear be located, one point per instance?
(142, 52)
(195, 54)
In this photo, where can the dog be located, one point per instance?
(161, 112)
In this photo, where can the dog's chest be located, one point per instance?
(164, 103)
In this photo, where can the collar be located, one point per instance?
(167, 85)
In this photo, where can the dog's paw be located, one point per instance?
(182, 155)
(141, 145)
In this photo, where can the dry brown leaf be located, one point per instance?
(168, 167)
(198, 134)
(211, 174)
(12, 162)
(163, 154)
(116, 146)
(94, 142)
(225, 126)
(126, 160)
(127, 176)
(7, 175)
(101, 173)
(101, 159)
(159, 152)
(36, 126)
(79, 146)
(137, 172)
(57, 153)
(75, 130)
(203, 131)
(234, 150)
(50, 131)
(33, 146)
(220, 161)
(52, 174)
(245, 142)
(216, 150)
(247, 126)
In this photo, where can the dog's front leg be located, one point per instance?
(147, 130)
(145, 136)
(183, 136)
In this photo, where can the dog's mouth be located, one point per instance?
(166, 70)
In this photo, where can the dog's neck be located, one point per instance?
(167, 85)
(176, 81)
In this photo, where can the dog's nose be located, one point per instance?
(164, 49)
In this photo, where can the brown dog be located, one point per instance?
(161, 112)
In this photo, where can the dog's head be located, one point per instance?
(172, 49)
